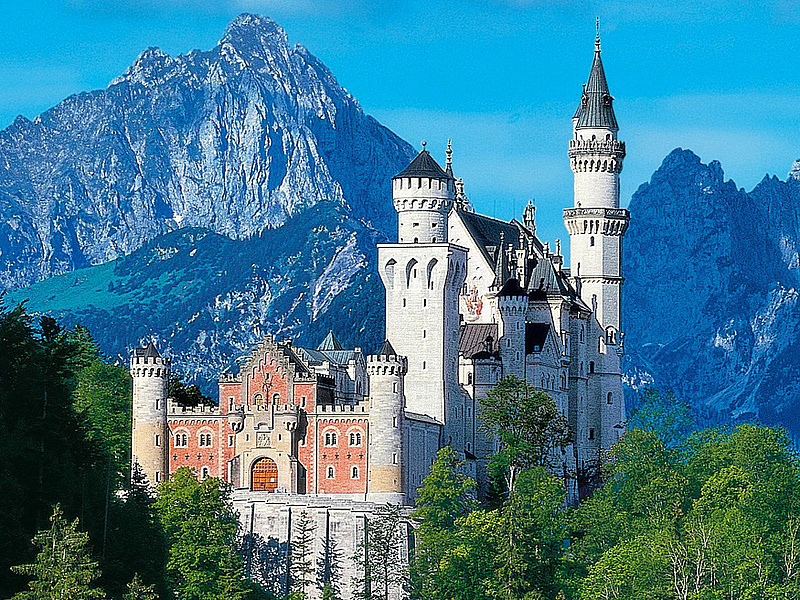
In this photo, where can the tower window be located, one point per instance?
(331, 473)
(469, 378)
(434, 239)
(158, 440)
(415, 225)
(424, 334)
(205, 473)
(423, 365)
(591, 366)
(404, 302)
(158, 476)
(394, 421)
(591, 241)
(394, 387)
(231, 440)
(354, 473)
(416, 241)
(394, 458)
(330, 438)
(610, 398)
(591, 434)
(424, 302)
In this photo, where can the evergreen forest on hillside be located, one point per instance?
(681, 514)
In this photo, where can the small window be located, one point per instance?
(331, 473)
(181, 440)
(158, 440)
(610, 398)
(158, 476)
(416, 241)
(394, 387)
(302, 400)
(394, 458)
(205, 473)
(330, 438)
(158, 404)
(591, 241)
(355, 439)
(469, 378)
(591, 434)
(591, 366)
(423, 365)
(231, 440)
(434, 240)
(404, 302)
(205, 440)
(424, 302)
(354, 473)
(394, 421)
(424, 334)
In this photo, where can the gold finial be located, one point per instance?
(424, 143)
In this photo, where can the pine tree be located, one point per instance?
(387, 570)
(329, 568)
(138, 591)
(64, 568)
(302, 556)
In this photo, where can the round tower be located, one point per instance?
(386, 372)
(150, 434)
(423, 195)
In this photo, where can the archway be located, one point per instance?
(265, 475)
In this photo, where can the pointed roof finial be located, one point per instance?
(449, 152)
(597, 36)
(424, 143)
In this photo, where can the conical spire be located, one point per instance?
(596, 108)
(387, 350)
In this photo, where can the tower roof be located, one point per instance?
(148, 351)
(424, 165)
(596, 108)
(387, 350)
(330, 343)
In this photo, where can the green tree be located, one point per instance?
(301, 568)
(64, 568)
(201, 528)
(380, 551)
(186, 395)
(527, 424)
(664, 414)
(329, 568)
(139, 591)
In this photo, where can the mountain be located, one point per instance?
(237, 140)
(206, 298)
(711, 292)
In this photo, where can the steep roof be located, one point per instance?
(330, 343)
(535, 336)
(424, 165)
(148, 351)
(472, 338)
(387, 350)
(596, 109)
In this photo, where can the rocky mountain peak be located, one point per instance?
(794, 173)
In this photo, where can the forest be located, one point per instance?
(680, 512)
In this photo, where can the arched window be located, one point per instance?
(205, 473)
(591, 366)
(610, 398)
(258, 399)
(265, 475)
(181, 439)
(204, 439)
(330, 438)
(355, 438)
(591, 241)
(331, 473)
(388, 271)
(276, 398)
(354, 473)
(563, 381)
(469, 378)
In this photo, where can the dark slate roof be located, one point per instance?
(148, 352)
(535, 336)
(472, 338)
(317, 357)
(387, 350)
(330, 343)
(596, 107)
(486, 233)
(424, 165)
(511, 288)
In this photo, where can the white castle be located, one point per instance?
(469, 299)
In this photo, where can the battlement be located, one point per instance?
(152, 367)
(173, 408)
(604, 221)
(382, 364)
(229, 377)
(597, 147)
(341, 409)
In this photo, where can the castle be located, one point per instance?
(469, 299)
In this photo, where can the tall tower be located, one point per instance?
(386, 373)
(423, 275)
(596, 225)
(150, 435)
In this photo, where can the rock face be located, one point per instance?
(711, 293)
(237, 140)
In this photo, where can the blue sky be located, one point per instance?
(501, 77)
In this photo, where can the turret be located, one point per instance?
(150, 433)
(386, 372)
(423, 195)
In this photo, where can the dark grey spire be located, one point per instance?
(424, 165)
(387, 350)
(330, 343)
(596, 108)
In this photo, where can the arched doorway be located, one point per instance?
(265, 476)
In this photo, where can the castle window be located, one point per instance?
(416, 241)
(181, 440)
(158, 440)
(230, 404)
(563, 381)
(158, 404)
(394, 387)
(331, 473)
(205, 440)
(394, 421)
(469, 378)
(415, 225)
(424, 334)
(591, 241)
(434, 240)
(610, 398)
(158, 476)
(302, 400)
(204, 474)
(591, 434)
(330, 438)
(582, 331)
(394, 458)
(276, 398)
(404, 302)
(355, 439)
(354, 473)
(231, 440)
(423, 365)
(258, 399)
(424, 302)
(591, 366)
